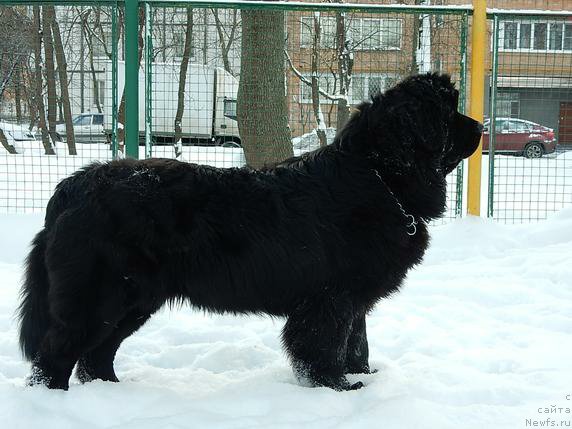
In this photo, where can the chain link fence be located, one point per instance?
(528, 135)
(55, 94)
(286, 75)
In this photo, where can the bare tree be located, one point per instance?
(417, 21)
(18, 93)
(63, 78)
(15, 45)
(38, 96)
(89, 36)
(226, 36)
(315, 62)
(182, 82)
(339, 64)
(50, 73)
(4, 142)
(261, 105)
(345, 69)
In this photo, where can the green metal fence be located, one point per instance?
(529, 129)
(171, 78)
(58, 66)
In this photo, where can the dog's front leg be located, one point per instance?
(316, 338)
(358, 350)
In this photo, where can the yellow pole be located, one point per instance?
(477, 99)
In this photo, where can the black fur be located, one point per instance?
(318, 239)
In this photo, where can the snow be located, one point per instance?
(479, 337)
(29, 177)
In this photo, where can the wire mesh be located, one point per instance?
(56, 105)
(530, 125)
(294, 81)
(324, 62)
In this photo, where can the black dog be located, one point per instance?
(318, 239)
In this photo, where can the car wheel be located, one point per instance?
(533, 150)
(231, 144)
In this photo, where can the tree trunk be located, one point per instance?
(4, 142)
(315, 62)
(225, 45)
(50, 73)
(182, 83)
(63, 74)
(38, 96)
(414, 68)
(345, 70)
(261, 105)
(205, 36)
(18, 93)
(89, 41)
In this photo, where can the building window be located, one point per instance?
(525, 33)
(568, 37)
(363, 87)
(366, 85)
(369, 34)
(555, 41)
(326, 82)
(538, 36)
(510, 35)
(366, 34)
(508, 105)
(327, 35)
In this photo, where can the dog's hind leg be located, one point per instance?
(75, 328)
(70, 300)
(316, 338)
(56, 358)
(358, 351)
(98, 362)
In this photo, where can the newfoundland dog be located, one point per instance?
(317, 239)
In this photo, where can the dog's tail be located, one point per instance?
(33, 311)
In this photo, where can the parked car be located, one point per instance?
(16, 133)
(88, 128)
(521, 137)
(209, 115)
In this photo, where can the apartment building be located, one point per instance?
(534, 79)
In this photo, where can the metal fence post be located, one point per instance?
(493, 114)
(148, 79)
(131, 79)
(114, 57)
(478, 45)
(462, 108)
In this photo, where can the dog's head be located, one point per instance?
(413, 128)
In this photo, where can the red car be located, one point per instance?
(521, 137)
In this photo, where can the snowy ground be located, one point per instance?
(524, 189)
(479, 337)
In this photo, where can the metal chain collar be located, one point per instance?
(412, 223)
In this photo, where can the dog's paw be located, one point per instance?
(360, 370)
(356, 386)
(338, 383)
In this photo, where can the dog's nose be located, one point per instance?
(480, 128)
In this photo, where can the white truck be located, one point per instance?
(209, 115)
